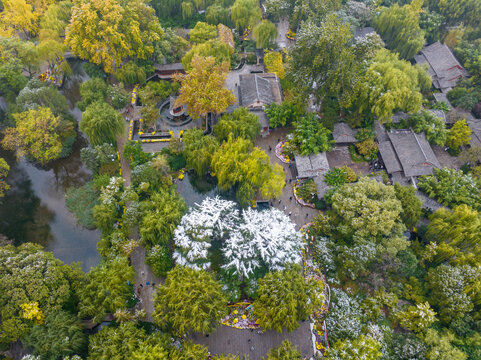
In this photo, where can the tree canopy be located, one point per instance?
(189, 300)
(128, 27)
(202, 88)
(102, 123)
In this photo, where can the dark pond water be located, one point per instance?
(34, 208)
(195, 189)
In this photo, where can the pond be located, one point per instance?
(194, 189)
(34, 208)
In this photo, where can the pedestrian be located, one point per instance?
(290, 180)
(307, 215)
(279, 201)
(290, 199)
(141, 285)
(278, 140)
(290, 213)
(285, 207)
(270, 148)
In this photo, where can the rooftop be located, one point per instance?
(444, 68)
(412, 151)
(312, 165)
(343, 133)
(258, 90)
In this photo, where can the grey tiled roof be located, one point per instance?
(444, 68)
(311, 165)
(397, 117)
(257, 89)
(414, 152)
(389, 157)
(475, 126)
(343, 133)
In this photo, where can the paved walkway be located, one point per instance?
(143, 275)
(299, 214)
(228, 340)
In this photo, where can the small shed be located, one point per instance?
(343, 134)
(166, 71)
(313, 166)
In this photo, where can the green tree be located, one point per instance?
(130, 74)
(459, 135)
(189, 300)
(190, 351)
(285, 351)
(116, 343)
(202, 32)
(390, 85)
(238, 164)
(4, 169)
(457, 234)
(411, 205)
(284, 298)
(129, 28)
(323, 53)
(417, 318)
(198, 150)
(161, 215)
(362, 348)
(467, 11)
(217, 14)
(369, 210)
(202, 88)
(107, 289)
(61, 335)
(441, 347)
(212, 48)
(92, 90)
(28, 275)
(448, 286)
(452, 187)
(245, 13)
(399, 27)
(38, 134)
(101, 123)
(310, 136)
(282, 115)
(240, 123)
(265, 33)
(432, 126)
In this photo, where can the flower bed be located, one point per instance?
(134, 94)
(299, 200)
(131, 129)
(241, 316)
(280, 154)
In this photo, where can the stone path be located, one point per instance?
(143, 275)
(299, 214)
(228, 340)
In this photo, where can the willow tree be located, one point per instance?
(264, 34)
(245, 13)
(101, 123)
(105, 32)
(203, 89)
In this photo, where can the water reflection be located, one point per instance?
(34, 208)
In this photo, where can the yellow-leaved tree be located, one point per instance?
(273, 62)
(202, 88)
(106, 31)
(18, 16)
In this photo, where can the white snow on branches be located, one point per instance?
(254, 239)
(211, 219)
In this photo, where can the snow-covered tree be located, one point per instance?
(212, 219)
(266, 238)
